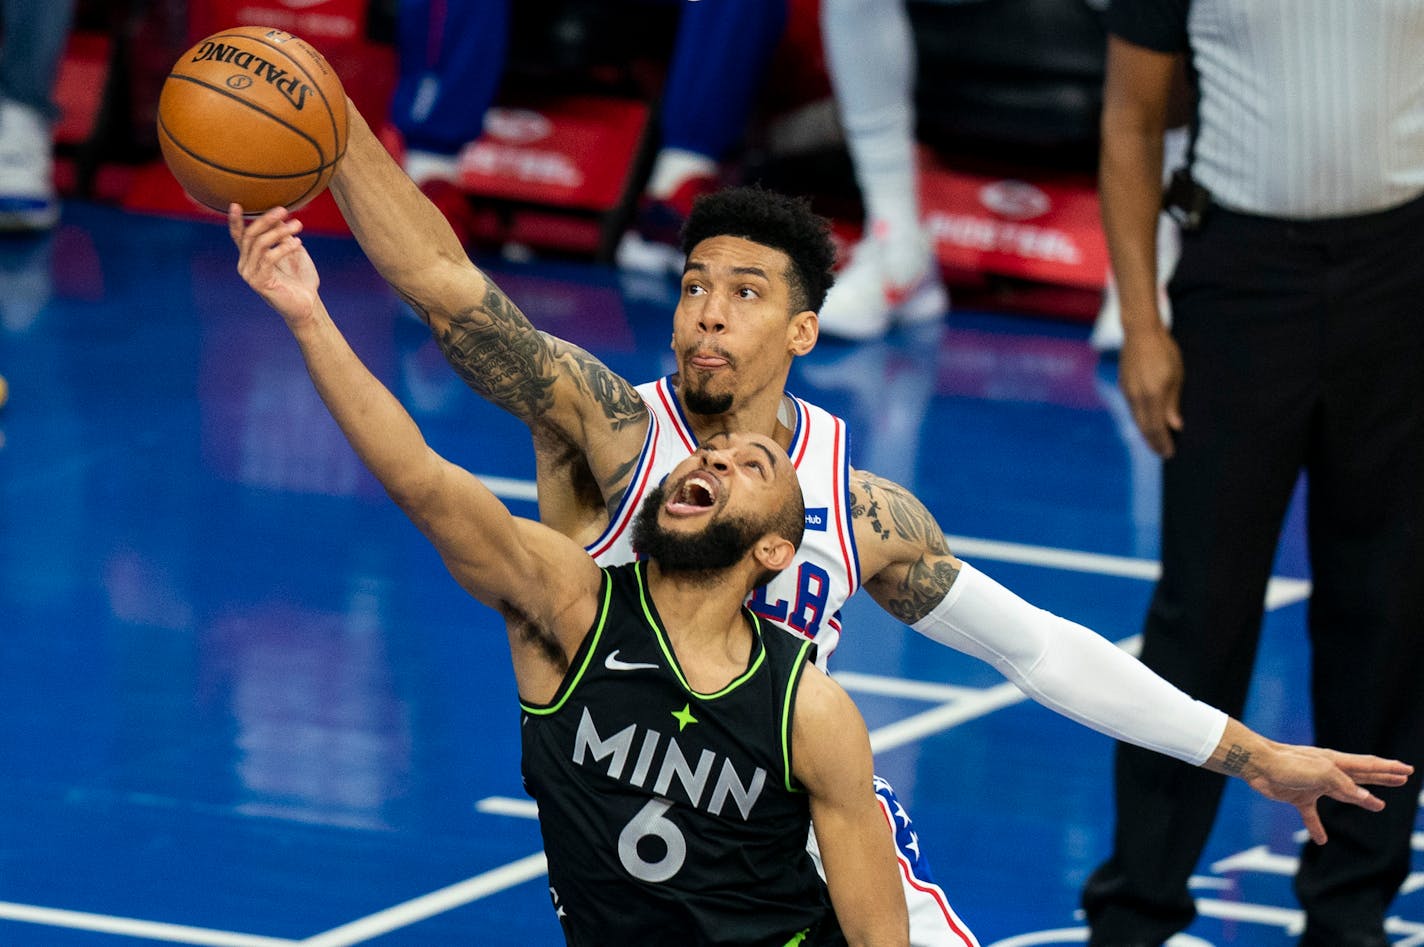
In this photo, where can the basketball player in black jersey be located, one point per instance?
(679, 753)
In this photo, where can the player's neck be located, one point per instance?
(702, 617)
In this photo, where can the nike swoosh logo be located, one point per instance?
(613, 664)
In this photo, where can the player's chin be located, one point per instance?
(709, 395)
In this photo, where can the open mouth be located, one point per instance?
(697, 493)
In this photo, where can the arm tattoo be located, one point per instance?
(1236, 759)
(909, 521)
(619, 400)
(897, 517)
(924, 586)
(500, 355)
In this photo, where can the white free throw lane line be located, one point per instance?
(131, 927)
(1280, 592)
(858, 683)
(506, 805)
(436, 902)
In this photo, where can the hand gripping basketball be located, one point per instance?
(255, 116)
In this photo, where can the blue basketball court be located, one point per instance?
(243, 705)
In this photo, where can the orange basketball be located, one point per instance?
(252, 115)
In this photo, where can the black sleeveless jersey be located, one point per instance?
(671, 817)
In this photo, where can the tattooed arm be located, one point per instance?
(543, 381)
(905, 561)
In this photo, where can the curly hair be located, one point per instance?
(775, 220)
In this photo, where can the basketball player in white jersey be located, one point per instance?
(758, 267)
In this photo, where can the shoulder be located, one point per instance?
(820, 700)
(830, 740)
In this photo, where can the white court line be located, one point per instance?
(945, 716)
(1291, 920)
(1280, 592)
(900, 687)
(1071, 560)
(510, 489)
(506, 805)
(436, 902)
(1261, 859)
(130, 927)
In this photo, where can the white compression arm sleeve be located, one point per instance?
(1072, 670)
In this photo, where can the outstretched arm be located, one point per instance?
(542, 380)
(545, 585)
(1073, 670)
(832, 760)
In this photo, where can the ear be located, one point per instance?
(802, 332)
(773, 552)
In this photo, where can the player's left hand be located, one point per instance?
(273, 261)
(1301, 775)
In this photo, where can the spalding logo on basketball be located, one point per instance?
(252, 115)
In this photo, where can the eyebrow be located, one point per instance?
(770, 457)
(736, 270)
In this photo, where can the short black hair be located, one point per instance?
(775, 220)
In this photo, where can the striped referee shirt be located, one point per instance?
(1305, 108)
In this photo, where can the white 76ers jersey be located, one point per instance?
(805, 598)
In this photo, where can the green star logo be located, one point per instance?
(683, 717)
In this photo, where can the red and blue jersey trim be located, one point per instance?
(633, 497)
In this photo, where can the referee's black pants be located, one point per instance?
(1303, 346)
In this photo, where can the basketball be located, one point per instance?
(253, 115)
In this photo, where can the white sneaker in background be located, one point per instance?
(877, 291)
(1107, 335)
(27, 196)
(636, 253)
(424, 166)
(1107, 329)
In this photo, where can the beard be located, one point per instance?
(700, 401)
(692, 385)
(717, 547)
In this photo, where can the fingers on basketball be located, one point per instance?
(252, 115)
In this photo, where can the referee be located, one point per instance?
(1297, 345)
